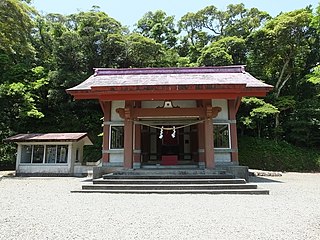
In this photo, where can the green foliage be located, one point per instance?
(160, 27)
(16, 25)
(254, 114)
(314, 76)
(303, 125)
(214, 56)
(143, 51)
(225, 51)
(266, 154)
(281, 48)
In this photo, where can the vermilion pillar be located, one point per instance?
(208, 135)
(128, 136)
(106, 108)
(200, 128)
(208, 140)
(233, 107)
(137, 142)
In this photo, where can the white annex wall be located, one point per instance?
(61, 168)
(64, 168)
(223, 103)
(114, 115)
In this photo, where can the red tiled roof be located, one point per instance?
(224, 75)
(48, 137)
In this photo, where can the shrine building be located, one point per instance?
(170, 117)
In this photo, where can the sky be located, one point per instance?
(128, 12)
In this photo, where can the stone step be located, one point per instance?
(190, 191)
(170, 181)
(167, 172)
(165, 176)
(167, 186)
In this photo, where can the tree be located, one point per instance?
(279, 51)
(195, 39)
(235, 21)
(282, 47)
(16, 24)
(214, 56)
(158, 26)
(212, 25)
(303, 123)
(254, 113)
(143, 51)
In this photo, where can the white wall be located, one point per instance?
(114, 115)
(44, 168)
(223, 103)
(116, 157)
(222, 157)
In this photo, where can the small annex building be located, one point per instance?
(163, 117)
(43, 154)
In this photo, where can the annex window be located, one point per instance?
(116, 137)
(47, 154)
(26, 153)
(51, 153)
(221, 135)
(38, 151)
(62, 153)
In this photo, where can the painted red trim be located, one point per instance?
(173, 94)
(183, 87)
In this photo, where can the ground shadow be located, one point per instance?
(260, 179)
(85, 179)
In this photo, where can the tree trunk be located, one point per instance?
(277, 120)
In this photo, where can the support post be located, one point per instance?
(208, 136)
(128, 136)
(201, 151)
(137, 142)
(232, 106)
(208, 140)
(106, 108)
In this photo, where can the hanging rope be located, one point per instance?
(173, 135)
(168, 128)
(161, 133)
(162, 128)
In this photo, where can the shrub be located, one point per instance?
(274, 155)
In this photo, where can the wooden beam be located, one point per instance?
(202, 112)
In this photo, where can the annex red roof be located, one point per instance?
(50, 137)
(141, 83)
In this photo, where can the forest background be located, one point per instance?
(41, 55)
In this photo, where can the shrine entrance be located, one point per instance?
(169, 145)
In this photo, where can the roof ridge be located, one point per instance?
(169, 70)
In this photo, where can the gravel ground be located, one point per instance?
(44, 208)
